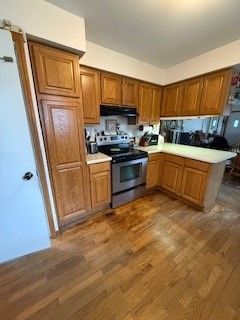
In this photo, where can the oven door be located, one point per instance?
(129, 174)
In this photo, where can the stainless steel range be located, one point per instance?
(129, 168)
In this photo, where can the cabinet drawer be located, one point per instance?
(198, 165)
(154, 156)
(174, 159)
(99, 167)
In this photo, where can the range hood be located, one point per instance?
(117, 111)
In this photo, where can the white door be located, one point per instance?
(23, 224)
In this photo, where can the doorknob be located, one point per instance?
(28, 176)
(7, 59)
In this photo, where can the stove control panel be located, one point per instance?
(112, 139)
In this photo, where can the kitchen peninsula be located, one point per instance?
(192, 174)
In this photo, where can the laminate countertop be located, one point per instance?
(196, 153)
(97, 158)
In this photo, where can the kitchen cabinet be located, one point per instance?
(56, 71)
(215, 92)
(100, 184)
(149, 103)
(145, 102)
(155, 108)
(130, 92)
(172, 99)
(172, 173)
(154, 170)
(192, 93)
(90, 86)
(65, 149)
(195, 178)
(111, 89)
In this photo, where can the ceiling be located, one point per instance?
(159, 32)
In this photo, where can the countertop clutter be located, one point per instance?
(196, 153)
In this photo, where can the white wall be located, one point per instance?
(219, 58)
(43, 20)
(132, 130)
(99, 57)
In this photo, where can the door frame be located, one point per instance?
(18, 40)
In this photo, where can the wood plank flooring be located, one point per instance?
(155, 258)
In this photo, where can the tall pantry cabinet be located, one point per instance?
(57, 84)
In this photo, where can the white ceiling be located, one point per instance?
(160, 32)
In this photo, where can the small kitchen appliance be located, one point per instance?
(92, 147)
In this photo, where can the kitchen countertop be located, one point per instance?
(196, 153)
(97, 158)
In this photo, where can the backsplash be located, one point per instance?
(132, 130)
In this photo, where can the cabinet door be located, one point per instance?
(156, 105)
(172, 176)
(145, 102)
(192, 92)
(111, 88)
(65, 146)
(194, 185)
(130, 92)
(172, 98)
(90, 85)
(152, 174)
(154, 171)
(100, 189)
(215, 92)
(56, 71)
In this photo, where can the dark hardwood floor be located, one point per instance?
(155, 258)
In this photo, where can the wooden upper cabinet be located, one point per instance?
(90, 85)
(192, 93)
(172, 99)
(145, 102)
(62, 123)
(111, 89)
(130, 92)
(156, 105)
(56, 71)
(215, 92)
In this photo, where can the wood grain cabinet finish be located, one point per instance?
(111, 89)
(215, 92)
(172, 174)
(63, 132)
(154, 170)
(156, 105)
(100, 180)
(57, 72)
(130, 92)
(172, 99)
(192, 93)
(90, 86)
(194, 185)
(145, 102)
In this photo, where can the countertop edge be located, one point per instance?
(161, 150)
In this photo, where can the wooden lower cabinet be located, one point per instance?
(100, 184)
(186, 178)
(194, 185)
(154, 170)
(172, 173)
